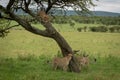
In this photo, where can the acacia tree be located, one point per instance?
(50, 31)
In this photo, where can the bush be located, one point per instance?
(79, 29)
(114, 29)
(85, 28)
(99, 29)
(111, 29)
(93, 29)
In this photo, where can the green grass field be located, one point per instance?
(23, 55)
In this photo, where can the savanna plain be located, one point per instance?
(24, 56)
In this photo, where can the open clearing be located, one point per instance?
(21, 41)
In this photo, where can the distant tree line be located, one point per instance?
(99, 29)
(81, 19)
(88, 20)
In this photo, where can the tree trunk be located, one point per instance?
(64, 46)
(51, 33)
(66, 49)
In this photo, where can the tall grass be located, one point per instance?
(32, 68)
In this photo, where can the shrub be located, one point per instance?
(111, 29)
(85, 28)
(99, 29)
(114, 29)
(79, 29)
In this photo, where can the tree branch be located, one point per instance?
(26, 24)
(2, 17)
(39, 2)
(50, 4)
(27, 4)
(11, 2)
(28, 27)
(3, 30)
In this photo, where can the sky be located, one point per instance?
(107, 5)
(102, 5)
